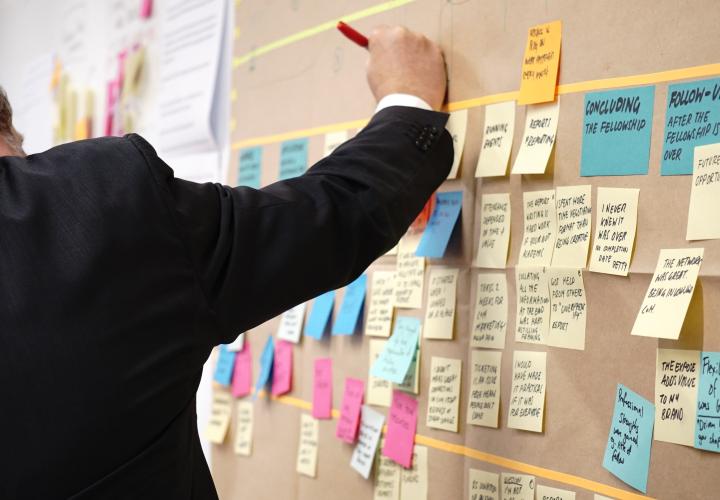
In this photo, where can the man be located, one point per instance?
(116, 280)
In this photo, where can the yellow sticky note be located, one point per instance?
(308, 447)
(494, 240)
(497, 140)
(540, 228)
(541, 121)
(548, 493)
(483, 485)
(568, 309)
(387, 478)
(457, 126)
(414, 481)
(379, 391)
(676, 395)
(527, 395)
(663, 310)
(444, 394)
(540, 63)
(220, 414)
(532, 319)
(440, 308)
(703, 222)
(484, 399)
(243, 428)
(410, 274)
(615, 225)
(517, 486)
(489, 324)
(573, 206)
(333, 140)
(601, 497)
(382, 300)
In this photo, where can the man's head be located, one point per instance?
(10, 140)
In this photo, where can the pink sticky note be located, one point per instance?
(322, 389)
(401, 426)
(350, 410)
(146, 9)
(282, 368)
(242, 375)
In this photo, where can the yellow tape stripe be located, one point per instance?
(568, 88)
(326, 26)
(506, 463)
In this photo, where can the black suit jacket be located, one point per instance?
(116, 280)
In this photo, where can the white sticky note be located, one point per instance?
(483, 485)
(615, 225)
(541, 122)
(568, 309)
(410, 274)
(497, 140)
(527, 395)
(444, 393)
(333, 140)
(308, 446)
(517, 486)
(382, 300)
(220, 414)
(484, 398)
(237, 344)
(532, 319)
(379, 391)
(243, 428)
(489, 324)
(291, 324)
(440, 306)
(703, 223)
(414, 481)
(548, 493)
(387, 479)
(677, 376)
(573, 206)
(540, 228)
(492, 251)
(457, 126)
(363, 456)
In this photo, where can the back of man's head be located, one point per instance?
(10, 140)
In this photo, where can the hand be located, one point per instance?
(402, 61)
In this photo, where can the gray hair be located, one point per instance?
(8, 133)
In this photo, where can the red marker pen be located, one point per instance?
(353, 35)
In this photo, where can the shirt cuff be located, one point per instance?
(402, 100)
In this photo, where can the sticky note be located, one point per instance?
(573, 207)
(601, 497)
(677, 374)
(484, 399)
(146, 9)
(243, 429)
(382, 300)
(249, 167)
(540, 63)
(387, 479)
(691, 119)
(444, 393)
(282, 368)
(663, 309)
(627, 455)
(540, 228)
(437, 234)
(489, 324)
(548, 493)
(266, 364)
(457, 126)
(347, 427)
(322, 388)
(371, 424)
(568, 309)
(308, 447)
(411, 382)
(440, 308)
(517, 486)
(541, 121)
(705, 194)
(320, 315)
(379, 391)
(242, 374)
(494, 239)
(527, 395)
(351, 307)
(237, 344)
(395, 359)
(409, 275)
(220, 413)
(532, 320)
(291, 323)
(616, 132)
(615, 226)
(414, 481)
(293, 158)
(707, 428)
(333, 140)
(483, 485)
(498, 131)
(401, 426)
(224, 366)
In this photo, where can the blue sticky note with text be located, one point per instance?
(395, 359)
(249, 167)
(266, 365)
(319, 315)
(617, 127)
(707, 424)
(225, 365)
(351, 307)
(439, 228)
(692, 118)
(627, 454)
(293, 158)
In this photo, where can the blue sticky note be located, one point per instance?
(627, 454)
(616, 132)
(395, 359)
(319, 315)
(707, 425)
(225, 365)
(436, 236)
(293, 158)
(249, 166)
(692, 119)
(266, 364)
(351, 306)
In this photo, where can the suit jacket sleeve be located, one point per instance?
(259, 252)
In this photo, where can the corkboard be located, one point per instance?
(320, 80)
